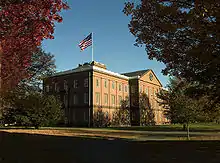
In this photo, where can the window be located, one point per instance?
(97, 95)
(113, 99)
(65, 85)
(132, 89)
(75, 83)
(86, 82)
(113, 85)
(146, 91)
(75, 99)
(119, 88)
(47, 88)
(105, 83)
(97, 82)
(155, 93)
(126, 88)
(85, 116)
(141, 88)
(74, 115)
(151, 92)
(86, 98)
(65, 101)
(106, 98)
(56, 87)
(119, 99)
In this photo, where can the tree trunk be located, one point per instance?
(184, 127)
(188, 137)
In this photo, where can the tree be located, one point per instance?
(23, 26)
(100, 118)
(32, 109)
(184, 36)
(42, 65)
(121, 117)
(181, 108)
(146, 111)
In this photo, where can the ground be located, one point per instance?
(115, 145)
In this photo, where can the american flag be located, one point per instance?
(86, 42)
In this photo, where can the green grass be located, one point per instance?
(30, 148)
(208, 127)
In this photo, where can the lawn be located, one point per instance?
(162, 144)
(199, 127)
(165, 132)
(37, 148)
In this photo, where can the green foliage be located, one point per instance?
(32, 109)
(146, 111)
(184, 36)
(121, 117)
(182, 108)
(101, 119)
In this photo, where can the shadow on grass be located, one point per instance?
(27, 148)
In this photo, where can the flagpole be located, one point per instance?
(92, 46)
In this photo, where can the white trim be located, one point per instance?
(95, 68)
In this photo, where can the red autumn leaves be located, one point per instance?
(23, 26)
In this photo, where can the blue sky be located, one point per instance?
(113, 43)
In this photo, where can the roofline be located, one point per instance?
(154, 75)
(94, 68)
(97, 69)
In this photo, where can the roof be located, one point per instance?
(88, 67)
(136, 73)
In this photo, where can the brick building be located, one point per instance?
(91, 86)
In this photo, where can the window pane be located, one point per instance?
(97, 98)
(106, 98)
(97, 82)
(119, 88)
(75, 99)
(86, 98)
(146, 91)
(126, 88)
(47, 88)
(75, 84)
(119, 99)
(86, 82)
(105, 83)
(113, 85)
(113, 99)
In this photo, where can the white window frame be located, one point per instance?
(65, 85)
(119, 87)
(75, 99)
(113, 85)
(126, 88)
(97, 83)
(75, 84)
(119, 99)
(97, 98)
(84, 116)
(86, 98)
(113, 99)
(65, 99)
(105, 84)
(146, 91)
(47, 88)
(106, 99)
(86, 82)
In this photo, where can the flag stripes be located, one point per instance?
(86, 42)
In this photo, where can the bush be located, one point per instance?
(101, 119)
(33, 109)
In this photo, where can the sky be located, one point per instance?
(112, 42)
